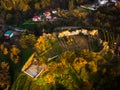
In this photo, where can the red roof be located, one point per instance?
(47, 13)
(36, 17)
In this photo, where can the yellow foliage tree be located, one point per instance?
(16, 59)
(44, 43)
(1, 47)
(37, 6)
(14, 55)
(92, 66)
(4, 65)
(21, 5)
(27, 41)
(79, 63)
(45, 3)
(5, 52)
(15, 50)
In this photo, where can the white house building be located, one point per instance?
(102, 2)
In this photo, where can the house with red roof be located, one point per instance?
(36, 18)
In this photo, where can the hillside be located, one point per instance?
(73, 49)
(71, 69)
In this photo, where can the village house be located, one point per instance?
(8, 34)
(47, 15)
(102, 2)
(54, 11)
(36, 18)
(107, 2)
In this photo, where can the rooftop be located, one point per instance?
(9, 32)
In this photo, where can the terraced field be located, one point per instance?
(76, 42)
(71, 43)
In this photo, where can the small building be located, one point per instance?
(36, 18)
(47, 13)
(48, 18)
(32, 67)
(102, 2)
(117, 48)
(54, 11)
(19, 29)
(8, 34)
(114, 1)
